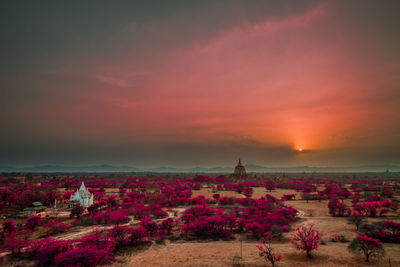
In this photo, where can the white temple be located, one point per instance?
(82, 196)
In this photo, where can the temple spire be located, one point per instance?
(239, 169)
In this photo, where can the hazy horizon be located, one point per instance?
(200, 83)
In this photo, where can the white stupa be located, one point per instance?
(83, 196)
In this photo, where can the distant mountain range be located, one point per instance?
(249, 168)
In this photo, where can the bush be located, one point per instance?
(32, 222)
(9, 227)
(117, 217)
(150, 226)
(338, 238)
(138, 236)
(76, 211)
(208, 227)
(166, 226)
(120, 235)
(56, 227)
(96, 240)
(43, 251)
(306, 238)
(14, 245)
(370, 247)
(338, 209)
(84, 256)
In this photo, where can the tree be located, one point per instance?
(266, 251)
(32, 222)
(306, 238)
(370, 247)
(248, 191)
(9, 227)
(77, 211)
(338, 209)
(67, 195)
(270, 185)
(356, 218)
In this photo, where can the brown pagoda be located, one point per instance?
(239, 169)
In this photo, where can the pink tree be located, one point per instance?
(9, 227)
(266, 251)
(67, 195)
(305, 237)
(32, 222)
(248, 191)
(77, 211)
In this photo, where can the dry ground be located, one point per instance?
(221, 253)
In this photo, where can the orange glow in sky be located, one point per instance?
(196, 89)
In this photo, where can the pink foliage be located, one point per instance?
(307, 238)
(9, 226)
(150, 226)
(43, 251)
(76, 211)
(338, 209)
(266, 251)
(56, 227)
(84, 256)
(32, 222)
(14, 245)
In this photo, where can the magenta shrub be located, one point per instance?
(373, 208)
(76, 211)
(84, 256)
(14, 245)
(117, 217)
(32, 222)
(121, 235)
(150, 226)
(56, 227)
(97, 240)
(43, 251)
(138, 236)
(166, 226)
(338, 209)
(9, 227)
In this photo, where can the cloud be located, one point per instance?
(254, 79)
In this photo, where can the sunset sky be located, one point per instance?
(200, 83)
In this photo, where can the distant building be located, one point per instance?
(239, 169)
(35, 208)
(82, 196)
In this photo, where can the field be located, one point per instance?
(128, 201)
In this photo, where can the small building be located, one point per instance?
(36, 208)
(82, 196)
(239, 169)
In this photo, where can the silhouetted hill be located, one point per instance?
(249, 168)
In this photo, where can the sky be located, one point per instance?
(200, 83)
